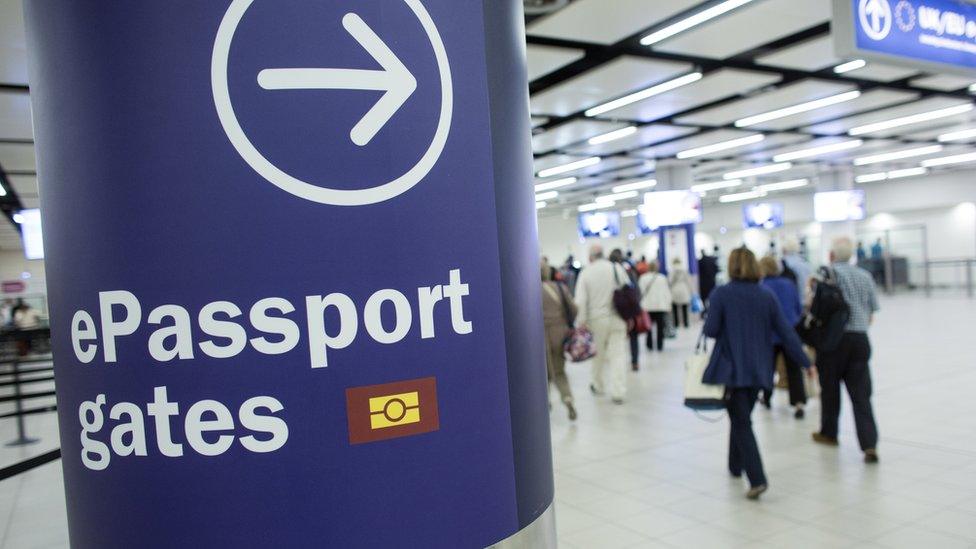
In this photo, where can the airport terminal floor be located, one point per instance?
(650, 473)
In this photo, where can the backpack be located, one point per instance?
(824, 325)
(626, 300)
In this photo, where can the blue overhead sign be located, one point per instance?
(930, 34)
(293, 271)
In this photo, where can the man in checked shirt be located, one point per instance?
(849, 362)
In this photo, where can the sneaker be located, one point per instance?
(799, 413)
(756, 491)
(572, 411)
(821, 438)
(617, 401)
(871, 456)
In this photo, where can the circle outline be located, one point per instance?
(323, 195)
(868, 29)
(403, 410)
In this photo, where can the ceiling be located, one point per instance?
(589, 53)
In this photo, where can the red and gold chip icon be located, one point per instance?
(392, 410)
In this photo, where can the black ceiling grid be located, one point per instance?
(597, 55)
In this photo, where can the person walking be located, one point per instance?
(656, 300)
(707, 274)
(789, 304)
(743, 319)
(617, 257)
(558, 314)
(680, 292)
(797, 265)
(594, 297)
(848, 363)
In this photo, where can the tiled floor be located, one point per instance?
(651, 474)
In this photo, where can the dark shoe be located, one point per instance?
(799, 413)
(617, 401)
(572, 411)
(756, 491)
(821, 438)
(634, 367)
(594, 390)
(871, 456)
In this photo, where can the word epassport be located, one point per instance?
(121, 315)
(207, 428)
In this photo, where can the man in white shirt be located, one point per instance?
(594, 297)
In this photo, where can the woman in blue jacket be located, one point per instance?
(743, 318)
(789, 304)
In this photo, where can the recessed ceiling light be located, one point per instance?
(818, 151)
(738, 197)
(721, 146)
(783, 185)
(616, 197)
(850, 66)
(644, 94)
(692, 21)
(897, 155)
(612, 136)
(559, 183)
(645, 184)
(546, 196)
(595, 206)
(949, 160)
(912, 119)
(705, 187)
(571, 167)
(760, 170)
(958, 136)
(797, 109)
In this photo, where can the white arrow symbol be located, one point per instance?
(876, 11)
(395, 79)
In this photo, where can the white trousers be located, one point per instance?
(610, 362)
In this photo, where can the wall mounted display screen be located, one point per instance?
(839, 206)
(599, 224)
(766, 215)
(643, 225)
(671, 208)
(30, 229)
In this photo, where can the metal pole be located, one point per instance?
(22, 438)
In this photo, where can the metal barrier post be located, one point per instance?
(22, 438)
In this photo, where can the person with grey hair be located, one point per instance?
(848, 362)
(594, 298)
(796, 264)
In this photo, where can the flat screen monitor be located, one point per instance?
(672, 208)
(30, 230)
(765, 215)
(599, 224)
(839, 206)
(643, 225)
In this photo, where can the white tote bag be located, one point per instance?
(699, 395)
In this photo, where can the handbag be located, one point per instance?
(579, 345)
(641, 323)
(697, 305)
(625, 299)
(701, 396)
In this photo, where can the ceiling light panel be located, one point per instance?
(818, 149)
(841, 126)
(635, 186)
(692, 20)
(892, 156)
(949, 160)
(716, 185)
(555, 184)
(758, 171)
(571, 132)
(735, 32)
(911, 120)
(721, 146)
(607, 164)
(645, 136)
(783, 185)
(880, 72)
(967, 134)
(811, 55)
(543, 60)
(786, 96)
(671, 149)
(798, 108)
(644, 94)
(591, 21)
(850, 66)
(603, 83)
(943, 82)
(715, 85)
(873, 99)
